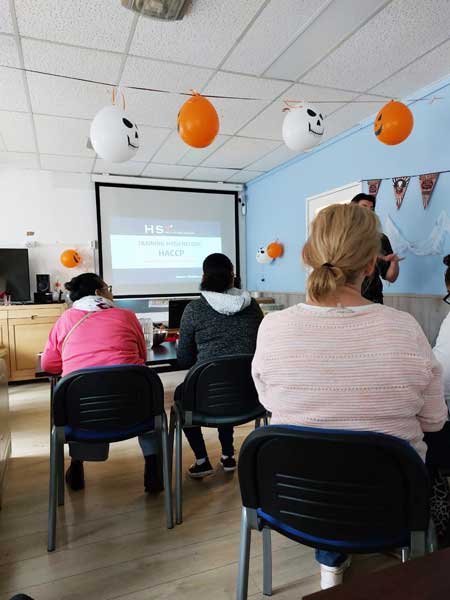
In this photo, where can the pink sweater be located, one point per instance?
(107, 337)
(370, 369)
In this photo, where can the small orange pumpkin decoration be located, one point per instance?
(393, 123)
(70, 259)
(198, 122)
(275, 250)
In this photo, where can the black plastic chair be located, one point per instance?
(342, 491)
(105, 405)
(214, 393)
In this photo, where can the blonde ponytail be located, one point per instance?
(344, 239)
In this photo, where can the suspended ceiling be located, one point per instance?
(270, 50)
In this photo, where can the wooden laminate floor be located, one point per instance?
(111, 537)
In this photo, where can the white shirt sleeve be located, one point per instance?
(442, 353)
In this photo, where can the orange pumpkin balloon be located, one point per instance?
(275, 250)
(393, 123)
(198, 122)
(70, 259)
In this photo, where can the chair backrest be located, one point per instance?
(222, 387)
(361, 487)
(107, 399)
(176, 310)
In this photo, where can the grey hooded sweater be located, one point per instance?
(218, 325)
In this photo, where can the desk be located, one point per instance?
(425, 578)
(162, 358)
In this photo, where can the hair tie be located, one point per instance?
(329, 265)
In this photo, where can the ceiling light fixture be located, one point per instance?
(167, 10)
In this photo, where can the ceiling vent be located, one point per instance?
(167, 10)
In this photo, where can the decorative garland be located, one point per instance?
(400, 185)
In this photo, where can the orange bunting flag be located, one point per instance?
(400, 187)
(373, 186)
(427, 183)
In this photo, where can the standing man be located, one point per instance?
(387, 266)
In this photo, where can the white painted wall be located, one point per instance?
(59, 208)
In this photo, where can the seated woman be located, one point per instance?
(340, 362)
(223, 321)
(94, 333)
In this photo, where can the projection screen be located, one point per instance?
(153, 240)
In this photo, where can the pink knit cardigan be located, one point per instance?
(363, 370)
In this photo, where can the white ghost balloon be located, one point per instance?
(113, 135)
(302, 128)
(262, 257)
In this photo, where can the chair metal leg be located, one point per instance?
(418, 545)
(166, 473)
(267, 562)
(405, 554)
(171, 439)
(53, 490)
(178, 470)
(431, 538)
(266, 420)
(244, 557)
(257, 423)
(60, 470)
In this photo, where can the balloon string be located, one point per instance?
(158, 91)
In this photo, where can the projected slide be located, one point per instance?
(160, 250)
(153, 241)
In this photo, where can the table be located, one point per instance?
(162, 358)
(425, 578)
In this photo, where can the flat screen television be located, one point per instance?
(15, 273)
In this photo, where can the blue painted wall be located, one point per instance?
(276, 202)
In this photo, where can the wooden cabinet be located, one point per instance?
(25, 330)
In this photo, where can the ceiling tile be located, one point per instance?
(275, 28)
(71, 61)
(239, 152)
(351, 115)
(202, 174)
(428, 69)
(242, 86)
(66, 97)
(402, 31)
(8, 51)
(202, 38)
(16, 130)
(69, 164)
(18, 160)
(57, 135)
(166, 171)
(334, 24)
(269, 123)
(272, 160)
(151, 140)
(195, 156)
(244, 176)
(104, 25)
(148, 108)
(12, 95)
(6, 25)
(144, 72)
(126, 168)
(234, 114)
(172, 150)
